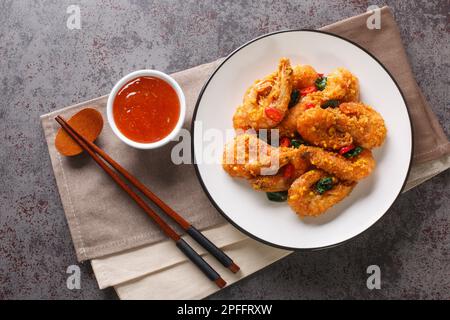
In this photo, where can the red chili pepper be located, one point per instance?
(346, 149)
(274, 114)
(288, 171)
(309, 106)
(320, 75)
(285, 142)
(307, 90)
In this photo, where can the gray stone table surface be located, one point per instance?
(45, 66)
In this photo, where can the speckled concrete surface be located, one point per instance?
(45, 66)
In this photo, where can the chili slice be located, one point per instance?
(346, 149)
(288, 171)
(308, 90)
(285, 142)
(273, 114)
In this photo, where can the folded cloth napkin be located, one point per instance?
(96, 219)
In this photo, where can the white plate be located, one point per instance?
(275, 223)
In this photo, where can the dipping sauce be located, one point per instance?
(146, 109)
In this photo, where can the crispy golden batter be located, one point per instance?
(365, 125)
(330, 119)
(350, 123)
(352, 169)
(341, 85)
(280, 181)
(319, 127)
(303, 76)
(246, 156)
(305, 201)
(271, 93)
(288, 127)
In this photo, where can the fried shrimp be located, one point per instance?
(351, 169)
(303, 76)
(284, 178)
(365, 125)
(325, 135)
(335, 128)
(266, 101)
(246, 156)
(319, 127)
(306, 199)
(341, 85)
(288, 127)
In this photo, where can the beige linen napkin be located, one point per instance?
(136, 273)
(103, 221)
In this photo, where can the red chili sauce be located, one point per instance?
(146, 109)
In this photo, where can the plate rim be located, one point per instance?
(205, 189)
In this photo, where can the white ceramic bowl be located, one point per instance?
(134, 75)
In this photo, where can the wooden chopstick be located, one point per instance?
(180, 243)
(190, 229)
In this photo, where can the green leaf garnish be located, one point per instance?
(353, 152)
(280, 196)
(296, 143)
(321, 83)
(331, 104)
(295, 95)
(324, 184)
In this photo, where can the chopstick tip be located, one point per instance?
(234, 267)
(220, 282)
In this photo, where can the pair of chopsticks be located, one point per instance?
(98, 154)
